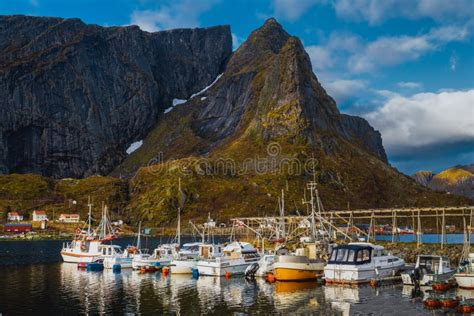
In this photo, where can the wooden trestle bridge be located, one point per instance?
(342, 223)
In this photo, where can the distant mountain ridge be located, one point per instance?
(457, 180)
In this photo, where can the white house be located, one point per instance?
(69, 218)
(39, 216)
(14, 217)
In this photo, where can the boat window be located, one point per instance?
(363, 255)
(350, 257)
(333, 255)
(341, 255)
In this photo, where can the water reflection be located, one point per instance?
(63, 289)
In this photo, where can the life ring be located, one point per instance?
(78, 231)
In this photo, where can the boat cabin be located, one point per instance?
(208, 251)
(240, 249)
(352, 254)
(429, 264)
(165, 251)
(110, 250)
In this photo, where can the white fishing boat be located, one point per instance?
(465, 275)
(429, 269)
(113, 256)
(236, 257)
(162, 256)
(187, 259)
(86, 244)
(357, 263)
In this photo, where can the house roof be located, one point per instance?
(13, 214)
(70, 215)
(37, 212)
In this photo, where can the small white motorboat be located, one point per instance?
(161, 257)
(429, 269)
(113, 256)
(187, 258)
(237, 256)
(357, 263)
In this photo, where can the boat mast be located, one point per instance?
(282, 214)
(89, 218)
(179, 214)
(311, 188)
(139, 235)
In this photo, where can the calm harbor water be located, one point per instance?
(426, 238)
(35, 281)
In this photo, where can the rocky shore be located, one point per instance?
(409, 251)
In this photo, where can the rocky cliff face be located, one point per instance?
(73, 96)
(267, 92)
(267, 109)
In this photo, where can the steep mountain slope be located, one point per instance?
(264, 125)
(457, 180)
(73, 96)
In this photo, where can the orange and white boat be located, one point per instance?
(296, 267)
(86, 245)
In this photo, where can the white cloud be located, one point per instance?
(291, 10)
(425, 119)
(376, 11)
(178, 14)
(343, 90)
(389, 51)
(321, 57)
(409, 85)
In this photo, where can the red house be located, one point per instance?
(18, 228)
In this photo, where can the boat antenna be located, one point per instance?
(139, 235)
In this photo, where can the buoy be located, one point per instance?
(441, 287)
(465, 309)
(432, 303)
(270, 277)
(166, 271)
(82, 265)
(449, 302)
(116, 268)
(195, 273)
(228, 275)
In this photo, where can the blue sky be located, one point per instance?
(406, 66)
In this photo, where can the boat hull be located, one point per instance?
(78, 257)
(183, 266)
(213, 268)
(142, 263)
(428, 278)
(356, 275)
(125, 263)
(297, 271)
(465, 280)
